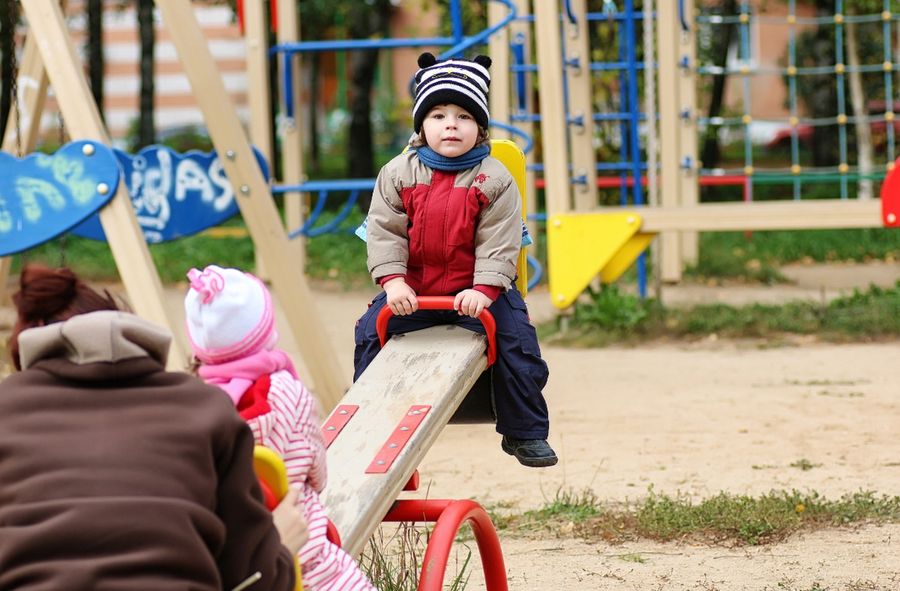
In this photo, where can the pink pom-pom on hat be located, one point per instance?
(229, 314)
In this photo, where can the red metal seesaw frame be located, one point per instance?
(448, 516)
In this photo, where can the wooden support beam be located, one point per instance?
(581, 104)
(126, 241)
(520, 29)
(760, 215)
(255, 201)
(554, 127)
(24, 122)
(688, 181)
(435, 367)
(256, 34)
(669, 133)
(498, 49)
(291, 132)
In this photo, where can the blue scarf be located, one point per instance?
(468, 160)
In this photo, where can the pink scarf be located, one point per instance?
(235, 377)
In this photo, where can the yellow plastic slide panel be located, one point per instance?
(581, 245)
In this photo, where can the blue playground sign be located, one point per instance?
(174, 195)
(43, 196)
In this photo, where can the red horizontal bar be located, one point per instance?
(610, 182)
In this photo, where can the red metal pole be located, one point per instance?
(449, 516)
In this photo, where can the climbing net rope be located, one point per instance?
(794, 173)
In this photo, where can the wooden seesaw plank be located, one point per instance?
(435, 367)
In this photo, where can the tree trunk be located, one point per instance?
(95, 51)
(864, 147)
(711, 153)
(7, 56)
(360, 152)
(146, 127)
(364, 21)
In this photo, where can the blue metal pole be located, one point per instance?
(456, 23)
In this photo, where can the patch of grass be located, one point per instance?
(568, 506)
(723, 519)
(609, 316)
(392, 562)
(331, 257)
(755, 256)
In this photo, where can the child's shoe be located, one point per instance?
(534, 453)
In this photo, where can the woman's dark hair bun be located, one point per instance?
(44, 292)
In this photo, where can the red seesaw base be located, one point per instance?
(448, 516)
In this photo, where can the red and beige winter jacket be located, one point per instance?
(444, 231)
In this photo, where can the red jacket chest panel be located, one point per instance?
(442, 223)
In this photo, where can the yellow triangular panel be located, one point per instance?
(580, 246)
(626, 256)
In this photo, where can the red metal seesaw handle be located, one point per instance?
(442, 303)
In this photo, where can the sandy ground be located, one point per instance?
(694, 419)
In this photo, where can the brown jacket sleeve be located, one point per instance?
(252, 543)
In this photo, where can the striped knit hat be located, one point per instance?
(455, 81)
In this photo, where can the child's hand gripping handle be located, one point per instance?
(272, 476)
(442, 303)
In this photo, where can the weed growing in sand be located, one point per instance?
(392, 561)
(804, 465)
(723, 519)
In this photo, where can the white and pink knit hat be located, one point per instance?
(229, 314)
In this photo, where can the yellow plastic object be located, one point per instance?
(507, 152)
(269, 467)
(581, 246)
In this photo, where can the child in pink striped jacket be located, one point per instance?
(231, 325)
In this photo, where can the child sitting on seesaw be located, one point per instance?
(446, 219)
(231, 324)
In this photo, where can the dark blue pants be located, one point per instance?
(519, 373)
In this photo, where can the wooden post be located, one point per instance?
(24, 119)
(581, 100)
(498, 48)
(256, 36)
(669, 136)
(290, 130)
(553, 112)
(689, 188)
(255, 201)
(521, 30)
(126, 241)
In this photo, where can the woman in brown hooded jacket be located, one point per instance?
(114, 473)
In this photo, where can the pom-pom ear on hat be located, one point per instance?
(426, 60)
(229, 314)
(455, 81)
